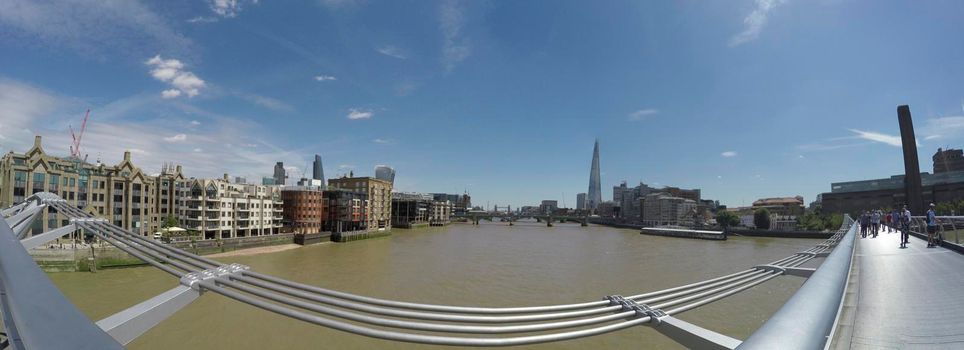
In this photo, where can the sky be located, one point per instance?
(503, 99)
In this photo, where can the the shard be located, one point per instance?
(595, 188)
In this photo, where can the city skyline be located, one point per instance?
(458, 97)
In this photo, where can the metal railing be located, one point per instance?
(807, 320)
(950, 228)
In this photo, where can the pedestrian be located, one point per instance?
(931, 227)
(895, 220)
(905, 218)
(875, 222)
(887, 223)
(864, 223)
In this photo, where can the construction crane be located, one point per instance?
(75, 148)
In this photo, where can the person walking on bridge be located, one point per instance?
(895, 220)
(864, 222)
(887, 222)
(931, 227)
(905, 218)
(875, 223)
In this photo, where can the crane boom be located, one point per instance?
(76, 137)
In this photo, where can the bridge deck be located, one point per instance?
(906, 298)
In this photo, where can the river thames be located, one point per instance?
(492, 264)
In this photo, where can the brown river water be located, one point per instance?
(492, 264)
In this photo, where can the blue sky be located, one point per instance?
(744, 99)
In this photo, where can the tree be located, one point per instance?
(169, 221)
(761, 219)
(727, 219)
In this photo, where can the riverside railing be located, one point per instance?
(807, 320)
(950, 228)
(409, 322)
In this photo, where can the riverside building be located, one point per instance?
(303, 208)
(121, 193)
(378, 210)
(217, 208)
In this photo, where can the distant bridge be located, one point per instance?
(37, 316)
(475, 217)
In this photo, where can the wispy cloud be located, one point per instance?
(877, 137)
(728, 154)
(172, 71)
(266, 102)
(641, 114)
(455, 48)
(943, 128)
(355, 114)
(338, 4)
(176, 138)
(346, 166)
(22, 107)
(130, 27)
(325, 78)
(202, 19)
(754, 22)
(392, 51)
(382, 141)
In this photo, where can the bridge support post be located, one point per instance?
(694, 337)
(38, 240)
(127, 325)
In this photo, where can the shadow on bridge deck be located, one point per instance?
(904, 298)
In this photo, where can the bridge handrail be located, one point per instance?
(807, 320)
(35, 314)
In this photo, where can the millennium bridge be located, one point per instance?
(865, 293)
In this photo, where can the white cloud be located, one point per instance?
(337, 4)
(21, 107)
(754, 22)
(382, 141)
(171, 71)
(943, 128)
(198, 150)
(355, 114)
(176, 138)
(101, 29)
(325, 78)
(392, 51)
(225, 8)
(455, 48)
(728, 154)
(346, 166)
(202, 19)
(877, 137)
(267, 102)
(170, 93)
(642, 113)
(195, 123)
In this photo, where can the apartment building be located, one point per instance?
(217, 208)
(378, 210)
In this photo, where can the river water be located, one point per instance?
(492, 264)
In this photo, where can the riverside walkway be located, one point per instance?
(903, 298)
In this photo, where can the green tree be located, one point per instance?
(169, 221)
(761, 219)
(727, 219)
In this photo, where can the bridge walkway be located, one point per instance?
(905, 298)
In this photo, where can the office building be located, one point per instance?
(581, 201)
(662, 209)
(411, 209)
(783, 206)
(461, 203)
(857, 196)
(441, 213)
(548, 206)
(385, 173)
(217, 208)
(279, 174)
(379, 195)
(594, 195)
(122, 193)
(317, 171)
(948, 160)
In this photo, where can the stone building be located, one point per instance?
(122, 193)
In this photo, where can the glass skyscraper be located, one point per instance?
(595, 187)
